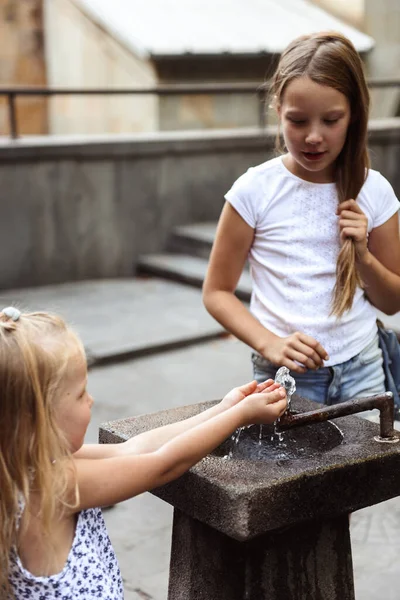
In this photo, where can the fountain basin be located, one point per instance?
(262, 443)
(247, 498)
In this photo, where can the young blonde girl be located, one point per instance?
(320, 230)
(53, 541)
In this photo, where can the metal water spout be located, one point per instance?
(383, 402)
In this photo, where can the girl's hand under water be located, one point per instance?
(264, 407)
(240, 393)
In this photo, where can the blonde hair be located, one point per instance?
(34, 355)
(330, 59)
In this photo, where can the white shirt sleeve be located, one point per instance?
(387, 203)
(243, 197)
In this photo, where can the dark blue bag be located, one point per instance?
(390, 347)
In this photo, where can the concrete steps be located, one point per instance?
(186, 269)
(186, 258)
(194, 240)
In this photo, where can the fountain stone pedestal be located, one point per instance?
(271, 529)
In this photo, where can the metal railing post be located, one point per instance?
(12, 115)
(262, 114)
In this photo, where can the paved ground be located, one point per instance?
(123, 317)
(136, 318)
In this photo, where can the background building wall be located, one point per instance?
(213, 110)
(350, 11)
(209, 111)
(22, 62)
(80, 54)
(382, 22)
(87, 209)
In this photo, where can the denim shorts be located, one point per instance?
(358, 377)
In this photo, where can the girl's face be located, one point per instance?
(74, 403)
(314, 120)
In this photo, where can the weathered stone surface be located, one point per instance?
(244, 498)
(311, 561)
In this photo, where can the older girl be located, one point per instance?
(320, 229)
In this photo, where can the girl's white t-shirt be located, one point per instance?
(294, 253)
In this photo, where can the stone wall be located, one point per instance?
(87, 207)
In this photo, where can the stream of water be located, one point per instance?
(276, 438)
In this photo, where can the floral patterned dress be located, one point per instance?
(91, 570)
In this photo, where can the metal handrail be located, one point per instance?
(261, 90)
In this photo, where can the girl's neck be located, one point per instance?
(323, 176)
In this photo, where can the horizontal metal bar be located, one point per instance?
(383, 83)
(206, 88)
(163, 90)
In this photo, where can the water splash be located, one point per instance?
(284, 378)
(263, 442)
(235, 440)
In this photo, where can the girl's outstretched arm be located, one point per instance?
(150, 441)
(232, 243)
(112, 480)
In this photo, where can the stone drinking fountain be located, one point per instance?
(272, 521)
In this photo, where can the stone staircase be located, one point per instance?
(186, 258)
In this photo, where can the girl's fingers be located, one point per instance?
(354, 233)
(281, 406)
(352, 223)
(307, 356)
(248, 388)
(265, 385)
(353, 214)
(275, 395)
(305, 360)
(349, 205)
(292, 366)
(314, 345)
(303, 354)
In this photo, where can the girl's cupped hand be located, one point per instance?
(240, 393)
(264, 407)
